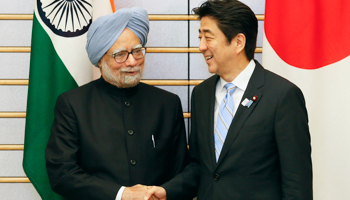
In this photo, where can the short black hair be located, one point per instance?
(233, 17)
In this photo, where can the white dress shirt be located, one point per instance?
(120, 193)
(241, 81)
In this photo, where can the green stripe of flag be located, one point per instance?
(48, 78)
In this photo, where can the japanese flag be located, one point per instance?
(308, 42)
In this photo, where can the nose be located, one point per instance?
(131, 61)
(203, 45)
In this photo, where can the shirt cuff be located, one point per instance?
(120, 193)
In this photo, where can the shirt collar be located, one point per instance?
(115, 91)
(241, 81)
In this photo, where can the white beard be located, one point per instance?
(121, 80)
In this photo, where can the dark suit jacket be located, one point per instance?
(266, 154)
(102, 139)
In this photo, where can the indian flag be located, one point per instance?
(58, 63)
(308, 42)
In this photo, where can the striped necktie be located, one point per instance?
(224, 119)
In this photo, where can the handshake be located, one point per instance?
(142, 192)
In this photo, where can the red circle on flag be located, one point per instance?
(308, 34)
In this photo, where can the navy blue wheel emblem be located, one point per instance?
(67, 18)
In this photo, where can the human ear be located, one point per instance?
(99, 63)
(239, 41)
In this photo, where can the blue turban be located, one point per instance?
(105, 30)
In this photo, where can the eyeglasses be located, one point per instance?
(122, 56)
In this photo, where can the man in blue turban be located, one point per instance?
(115, 132)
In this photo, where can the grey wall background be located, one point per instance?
(162, 66)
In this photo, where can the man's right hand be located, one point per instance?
(136, 192)
(155, 191)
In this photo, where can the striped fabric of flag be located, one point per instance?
(58, 63)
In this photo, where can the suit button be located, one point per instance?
(127, 103)
(130, 132)
(133, 162)
(216, 177)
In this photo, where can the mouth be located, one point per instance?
(130, 72)
(208, 57)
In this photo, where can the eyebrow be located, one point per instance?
(118, 50)
(137, 46)
(123, 49)
(205, 31)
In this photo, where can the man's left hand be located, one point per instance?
(136, 192)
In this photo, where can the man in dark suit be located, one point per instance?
(116, 132)
(263, 151)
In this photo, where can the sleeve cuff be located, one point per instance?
(120, 193)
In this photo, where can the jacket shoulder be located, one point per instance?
(278, 81)
(81, 90)
(152, 90)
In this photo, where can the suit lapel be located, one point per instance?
(210, 137)
(256, 81)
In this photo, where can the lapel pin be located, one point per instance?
(247, 102)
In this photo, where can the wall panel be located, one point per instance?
(18, 191)
(166, 66)
(15, 32)
(12, 131)
(156, 6)
(259, 41)
(17, 7)
(14, 65)
(13, 98)
(11, 163)
(168, 34)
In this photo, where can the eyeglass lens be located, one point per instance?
(124, 55)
